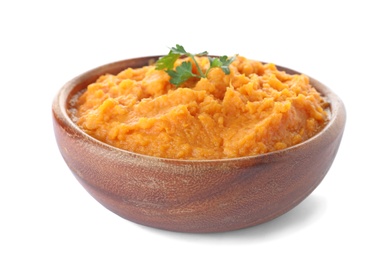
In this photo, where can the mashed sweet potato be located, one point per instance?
(253, 110)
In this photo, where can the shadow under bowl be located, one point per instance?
(194, 195)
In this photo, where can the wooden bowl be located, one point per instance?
(194, 195)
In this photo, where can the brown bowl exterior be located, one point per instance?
(194, 196)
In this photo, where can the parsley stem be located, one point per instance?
(202, 75)
(207, 72)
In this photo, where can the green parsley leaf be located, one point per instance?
(167, 62)
(214, 62)
(181, 74)
(225, 63)
(180, 50)
(221, 62)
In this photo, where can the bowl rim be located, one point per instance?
(60, 106)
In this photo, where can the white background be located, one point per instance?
(46, 214)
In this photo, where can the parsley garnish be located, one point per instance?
(184, 72)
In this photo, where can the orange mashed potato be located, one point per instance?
(253, 110)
